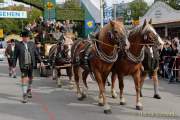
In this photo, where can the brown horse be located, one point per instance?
(98, 57)
(130, 64)
(60, 59)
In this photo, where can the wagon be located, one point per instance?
(47, 70)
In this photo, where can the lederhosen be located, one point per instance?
(151, 63)
(27, 69)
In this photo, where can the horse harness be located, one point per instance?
(59, 54)
(86, 54)
(141, 56)
(133, 58)
(89, 44)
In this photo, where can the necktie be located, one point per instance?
(27, 55)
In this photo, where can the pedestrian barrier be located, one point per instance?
(175, 69)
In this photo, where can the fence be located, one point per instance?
(175, 68)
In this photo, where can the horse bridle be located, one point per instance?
(140, 58)
(119, 39)
(146, 38)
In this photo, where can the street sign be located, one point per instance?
(1, 33)
(129, 12)
(49, 9)
(135, 22)
(89, 24)
(13, 14)
(50, 5)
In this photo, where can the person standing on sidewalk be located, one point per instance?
(26, 54)
(10, 52)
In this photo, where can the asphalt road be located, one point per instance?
(52, 103)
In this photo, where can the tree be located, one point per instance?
(35, 3)
(138, 8)
(71, 4)
(70, 11)
(173, 3)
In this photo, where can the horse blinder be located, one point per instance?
(111, 35)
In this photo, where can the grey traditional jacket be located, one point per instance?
(20, 54)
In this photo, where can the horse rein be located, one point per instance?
(113, 46)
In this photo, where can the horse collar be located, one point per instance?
(135, 59)
(103, 56)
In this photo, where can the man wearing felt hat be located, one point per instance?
(10, 53)
(26, 54)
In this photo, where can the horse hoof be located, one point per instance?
(59, 86)
(81, 98)
(114, 97)
(100, 104)
(108, 84)
(139, 107)
(157, 96)
(122, 103)
(71, 87)
(108, 111)
(84, 96)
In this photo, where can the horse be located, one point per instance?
(130, 62)
(97, 58)
(59, 56)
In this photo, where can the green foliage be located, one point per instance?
(173, 3)
(70, 11)
(35, 3)
(16, 25)
(1, 1)
(70, 14)
(138, 8)
(71, 4)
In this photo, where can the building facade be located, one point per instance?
(165, 19)
(122, 10)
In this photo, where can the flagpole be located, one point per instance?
(101, 12)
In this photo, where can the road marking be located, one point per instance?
(81, 105)
(37, 97)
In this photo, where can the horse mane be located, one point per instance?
(104, 30)
(107, 28)
(135, 30)
(141, 29)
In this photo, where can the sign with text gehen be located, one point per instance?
(13, 14)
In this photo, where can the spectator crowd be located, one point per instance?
(170, 60)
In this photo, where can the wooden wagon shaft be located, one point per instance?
(63, 66)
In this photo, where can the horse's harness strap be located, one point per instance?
(103, 56)
(113, 46)
(76, 45)
(135, 59)
(54, 56)
(87, 56)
